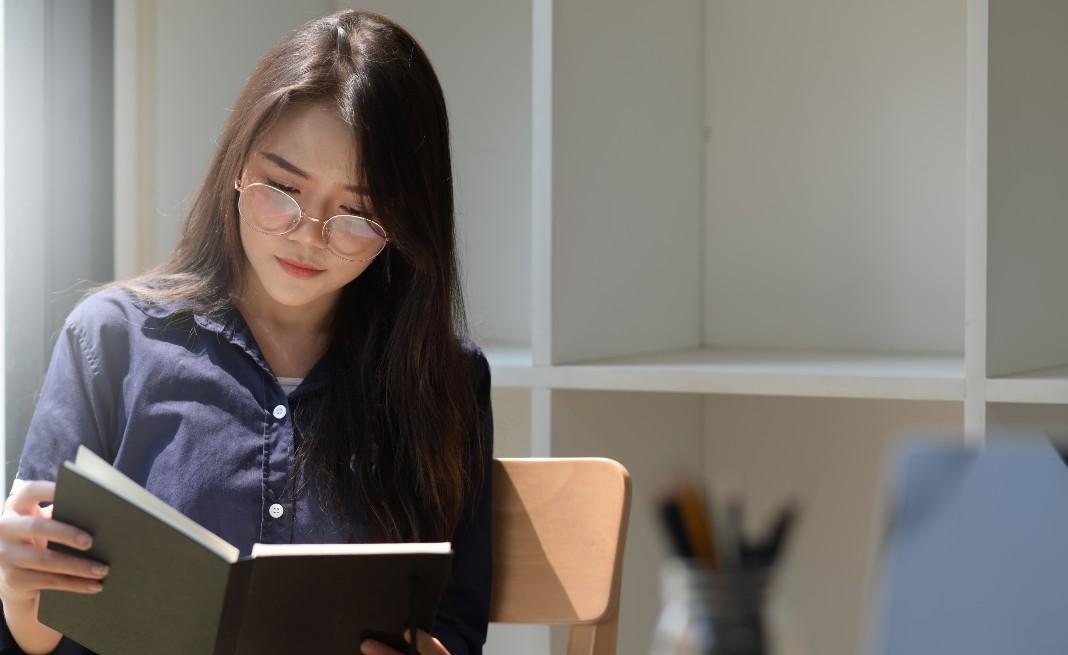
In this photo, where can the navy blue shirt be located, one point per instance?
(191, 411)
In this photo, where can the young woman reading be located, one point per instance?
(297, 370)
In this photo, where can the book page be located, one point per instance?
(91, 466)
(276, 550)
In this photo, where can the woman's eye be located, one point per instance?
(290, 190)
(282, 187)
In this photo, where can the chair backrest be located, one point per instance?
(559, 527)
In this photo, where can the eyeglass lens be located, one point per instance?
(273, 212)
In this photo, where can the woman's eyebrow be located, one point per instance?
(284, 163)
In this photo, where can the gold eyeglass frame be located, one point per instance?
(304, 214)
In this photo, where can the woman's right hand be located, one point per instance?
(26, 564)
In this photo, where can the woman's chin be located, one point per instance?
(294, 293)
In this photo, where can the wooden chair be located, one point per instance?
(559, 527)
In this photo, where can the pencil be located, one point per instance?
(696, 519)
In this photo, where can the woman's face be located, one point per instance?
(310, 154)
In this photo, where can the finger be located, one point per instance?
(372, 647)
(27, 496)
(46, 512)
(25, 580)
(50, 561)
(16, 484)
(20, 528)
(426, 644)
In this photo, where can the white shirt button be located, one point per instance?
(276, 511)
(280, 411)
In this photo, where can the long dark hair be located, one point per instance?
(398, 426)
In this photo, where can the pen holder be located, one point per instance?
(707, 612)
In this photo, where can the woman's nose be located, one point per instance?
(310, 232)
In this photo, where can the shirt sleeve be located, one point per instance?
(74, 407)
(463, 617)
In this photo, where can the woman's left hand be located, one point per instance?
(425, 644)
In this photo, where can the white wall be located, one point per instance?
(1028, 195)
(58, 175)
(835, 175)
(625, 177)
(3, 259)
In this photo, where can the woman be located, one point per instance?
(296, 371)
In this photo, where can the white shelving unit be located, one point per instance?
(763, 240)
(751, 240)
(880, 205)
(1048, 385)
(767, 373)
(1028, 140)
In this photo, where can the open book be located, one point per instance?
(175, 587)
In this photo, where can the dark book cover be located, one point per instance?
(172, 589)
(331, 603)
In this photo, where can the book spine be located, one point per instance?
(233, 609)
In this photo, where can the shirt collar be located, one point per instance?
(231, 326)
(225, 324)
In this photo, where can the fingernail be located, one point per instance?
(100, 569)
(95, 586)
(84, 539)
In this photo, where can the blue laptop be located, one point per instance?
(976, 557)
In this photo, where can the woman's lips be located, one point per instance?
(298, 270)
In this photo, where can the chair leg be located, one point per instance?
(596, 639)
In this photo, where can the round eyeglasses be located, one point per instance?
(274, 212)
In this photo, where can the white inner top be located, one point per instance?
(289, 384)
